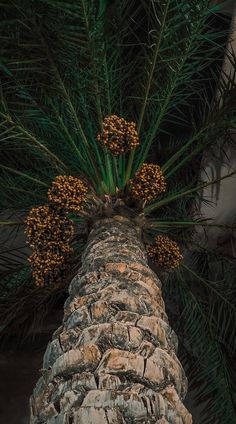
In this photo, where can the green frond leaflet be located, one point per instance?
(184, 193)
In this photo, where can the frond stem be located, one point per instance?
(209, 286)
(33, 139)
(22, 174)
(12, 223)
(179, 224)
(66, 132)
(91, 49)
(163, 202)
(153, 65)
(69, 102)
(172, 88)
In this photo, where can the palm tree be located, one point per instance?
(105, 114)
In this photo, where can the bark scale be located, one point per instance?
(113, 360)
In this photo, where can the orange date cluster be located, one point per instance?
(46, 225)
(68, 192)
(48, 266)
(148, 182)
(49, 233)
(118, 135)
(165, 252)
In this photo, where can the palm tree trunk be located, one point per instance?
(113, 360)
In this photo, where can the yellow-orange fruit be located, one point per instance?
(48, 265)
(68, 192)
(49, 232)
(118, 135)
(148, 182)
(44, 224)
(165, 252)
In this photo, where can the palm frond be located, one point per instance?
(24, 308)
(183, 193)
(179, 73)
(206, 334)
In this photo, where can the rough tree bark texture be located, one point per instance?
(113, 360)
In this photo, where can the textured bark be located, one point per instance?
(113, 360)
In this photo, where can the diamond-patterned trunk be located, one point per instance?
(113, 360)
